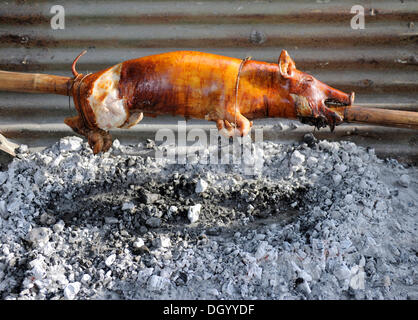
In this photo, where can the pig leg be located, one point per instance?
(225, 128)
(134, 119)
(228, 129)
(99, 140)
(76, 124)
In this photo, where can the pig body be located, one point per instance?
(226, 90)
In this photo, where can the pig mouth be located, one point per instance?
(330, 103)
(333, 102)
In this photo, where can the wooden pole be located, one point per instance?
(34, 83)
(7, 147)
(45, 83)
(380, 117)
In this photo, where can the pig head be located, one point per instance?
(312, 98)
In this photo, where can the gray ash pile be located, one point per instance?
(326, 220)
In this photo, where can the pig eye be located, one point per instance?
(308, 79)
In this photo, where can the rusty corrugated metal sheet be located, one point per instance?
(379, 62)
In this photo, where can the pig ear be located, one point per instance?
(286, 65)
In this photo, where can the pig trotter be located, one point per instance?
(324, 117)
(99, 140)
(332, 119)
(319, 117)
(239, 127)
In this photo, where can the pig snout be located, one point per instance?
(335, 97)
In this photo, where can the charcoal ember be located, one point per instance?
(147, 197)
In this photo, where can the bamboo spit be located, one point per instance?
(34, 83)
(44, 83)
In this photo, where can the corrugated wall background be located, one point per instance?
(379, 62)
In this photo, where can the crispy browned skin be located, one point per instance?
(200, 85)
